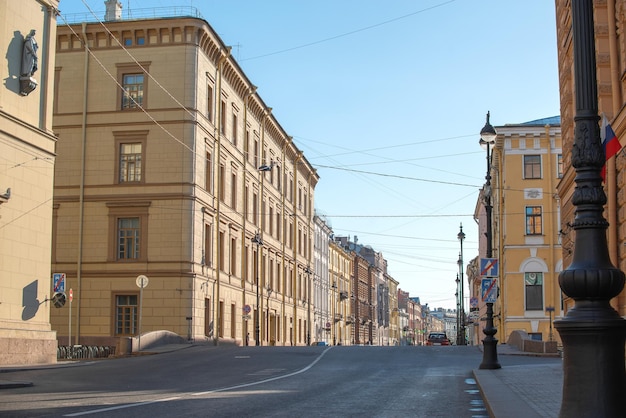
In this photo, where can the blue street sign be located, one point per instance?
(489, 290)
(489, 267)
(58, 281)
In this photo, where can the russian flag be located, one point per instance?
(610, 143)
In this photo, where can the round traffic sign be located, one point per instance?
(247, 309)
(142, 281)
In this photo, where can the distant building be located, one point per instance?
(340, 271)
(322, 290)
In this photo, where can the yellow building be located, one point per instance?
(526, 167)
(27, 146)
(394, 318)
(340, 273)
(171, 166)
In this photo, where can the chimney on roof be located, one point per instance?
(113, 10)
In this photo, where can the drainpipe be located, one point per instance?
(244, 216)
(283, 238)
(81, 204)
(218, 94)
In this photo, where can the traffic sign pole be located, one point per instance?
(69, 332)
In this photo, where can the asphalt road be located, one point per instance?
(206, 381)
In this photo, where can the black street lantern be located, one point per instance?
(256, 239)
(592, 332)
(490, 352)
(462, 340)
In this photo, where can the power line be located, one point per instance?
(343, 35)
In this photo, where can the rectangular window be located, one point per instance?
(222, 183)
(222, 247)
(532, 166)
(256, 153)
(233, 320)
(533, 220)
(255, 209)
(559, 166)
(271, 223)
(246, 203)
(130, 162)
(208, 173)
(128, 238)
(534, 291)
(208, 245)
(234, 129)
(126, 315)
(233, 256)
(233, 190)
(221, 322)
(223, 118)
(133, 91)
(247, 145)
(209, 103)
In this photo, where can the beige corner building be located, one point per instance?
(27, 146)
(171, 166)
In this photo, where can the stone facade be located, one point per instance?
(610, 44)
(171, 166)
(27, 146)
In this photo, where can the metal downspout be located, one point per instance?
(218, 94)
(81, 204)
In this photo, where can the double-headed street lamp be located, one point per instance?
(490, 354)
(458, 310)
(256, 239)
(461, 237)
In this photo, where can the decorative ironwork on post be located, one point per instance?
(592, 332)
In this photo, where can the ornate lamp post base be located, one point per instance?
(490, 351)
(593, 359)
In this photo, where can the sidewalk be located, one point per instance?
(10, 384)
(521, 391)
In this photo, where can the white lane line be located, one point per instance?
(260, 382)
(113, 408)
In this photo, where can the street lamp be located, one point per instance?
(267, 317)
(490, 353)
(458, 310)
(256, 239)
(592, 332)
(308, 271)
(461, 237)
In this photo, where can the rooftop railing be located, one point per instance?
(132, 14)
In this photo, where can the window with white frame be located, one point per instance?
(534, 223)
(532, 166)
(533, 283)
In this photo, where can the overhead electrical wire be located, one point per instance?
(343, 35)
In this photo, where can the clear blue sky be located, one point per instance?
(386, 99)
